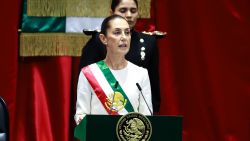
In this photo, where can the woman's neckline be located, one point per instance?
(121, 69)
(120, 66)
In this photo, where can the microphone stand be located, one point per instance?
(140, 89)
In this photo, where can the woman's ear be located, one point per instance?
(103, 39)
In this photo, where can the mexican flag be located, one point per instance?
(55, 27)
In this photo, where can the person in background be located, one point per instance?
(110, 86)
(143, 51)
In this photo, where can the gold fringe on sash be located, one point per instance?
(78, 8)
(52, 44)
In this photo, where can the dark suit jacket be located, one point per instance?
(95, 51)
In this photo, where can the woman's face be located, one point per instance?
(118, 37)
(128, 10)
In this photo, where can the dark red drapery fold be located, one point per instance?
(8, 56)
(204, 69)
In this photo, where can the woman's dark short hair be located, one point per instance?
(115, 3)
(106, 23)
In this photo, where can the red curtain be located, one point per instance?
(8, 55)
(204, 69)
(45, 88)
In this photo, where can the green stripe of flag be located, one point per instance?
(41, 24)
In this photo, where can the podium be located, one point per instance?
(103, 127)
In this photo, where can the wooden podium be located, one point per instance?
(103, 127)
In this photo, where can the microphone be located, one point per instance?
(110, 110)
(140, 89)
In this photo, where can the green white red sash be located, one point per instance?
(103, 83)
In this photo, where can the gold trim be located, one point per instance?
(134, 126)
(51, 44)
(46, 7)
(88, 8)
(144, 8)
(78, 8)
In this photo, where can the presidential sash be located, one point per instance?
(103, 82)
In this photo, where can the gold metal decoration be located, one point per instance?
(52, 44)
(116, 102)
(133, 127)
